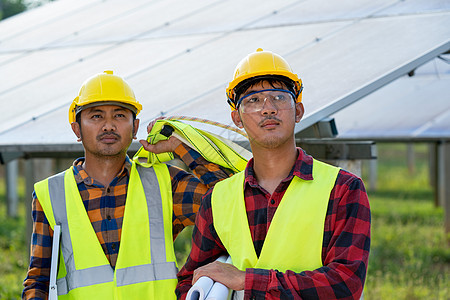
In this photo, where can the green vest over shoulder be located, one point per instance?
(295, 236)
(146, 264)
(212, 147)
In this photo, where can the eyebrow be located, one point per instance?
(250, 91)
(94, 110)
(97, 110)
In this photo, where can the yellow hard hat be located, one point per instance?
(105, 88)
(262, 63)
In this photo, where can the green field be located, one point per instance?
(410, 257)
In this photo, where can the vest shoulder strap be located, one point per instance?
(48, 189)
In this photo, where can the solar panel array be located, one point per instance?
(178, 56)
(413, 108)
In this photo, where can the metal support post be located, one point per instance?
(29, 187)
(411, 159)
(443, 181)
(373, 170)
(12, 197)
(433, 171)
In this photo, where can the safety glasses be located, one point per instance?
(255, 101)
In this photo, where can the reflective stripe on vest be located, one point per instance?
(295, 236)
(132, 268)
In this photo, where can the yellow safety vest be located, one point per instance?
(146, 264)
(295, 236)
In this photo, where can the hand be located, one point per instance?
(150, 125)
(162, 146)
(227, 274)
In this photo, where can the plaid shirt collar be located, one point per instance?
(81, 175)
(302, 169)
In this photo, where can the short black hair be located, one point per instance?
(270, 79)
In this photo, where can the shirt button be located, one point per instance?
(108, 190)
(272, 201)
(113, 246)
(109, 218)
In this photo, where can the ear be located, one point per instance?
(135, 128)
(236, 119)
(299, 111)
(77, 130)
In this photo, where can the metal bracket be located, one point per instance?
(334, 150)
(325, 128)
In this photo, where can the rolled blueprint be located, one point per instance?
(200, 290)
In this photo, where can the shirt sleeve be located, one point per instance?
(206, 247)
(188, 188)
(37, 281)
(345, 253)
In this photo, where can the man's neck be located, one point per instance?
(103, 169)
(271, 166)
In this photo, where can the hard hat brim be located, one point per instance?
(231, 89)
(75, 110)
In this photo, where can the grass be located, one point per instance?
(13, 254)
(409, 258)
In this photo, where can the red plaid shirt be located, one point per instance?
(105, 207)
(345, 249)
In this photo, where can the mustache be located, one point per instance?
(269, 118)
(99, 137)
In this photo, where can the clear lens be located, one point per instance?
(255, 101)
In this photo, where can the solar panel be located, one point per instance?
(409, 109)
(179, 56)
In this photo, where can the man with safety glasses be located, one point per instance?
(295, 227)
